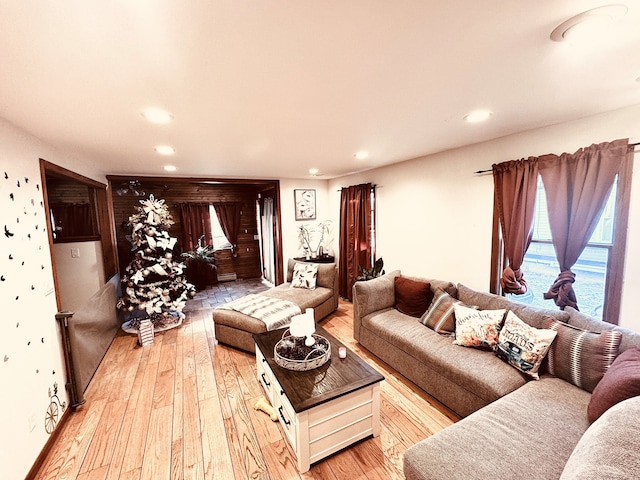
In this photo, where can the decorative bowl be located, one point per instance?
(292, 353)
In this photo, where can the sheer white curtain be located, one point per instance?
(268, 241)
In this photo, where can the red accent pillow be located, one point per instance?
(621, 381)
(412, 296)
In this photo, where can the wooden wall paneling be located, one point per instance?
(245, 265)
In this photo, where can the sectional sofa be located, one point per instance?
(514, 425)
(237, 329)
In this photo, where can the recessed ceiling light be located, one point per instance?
(477, 116)
(586, 26)
(170, 168)
(362, 155)
(313, 171)
(165, 150)
(157, 115)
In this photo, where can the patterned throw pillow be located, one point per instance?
(523, 346)
(412, 296)
(477, 328)
(581, 357)
(439, 317)
(304, 276)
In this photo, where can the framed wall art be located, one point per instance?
(305, 203)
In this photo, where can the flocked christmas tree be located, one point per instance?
(154, 285)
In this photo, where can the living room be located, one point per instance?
(434, 218)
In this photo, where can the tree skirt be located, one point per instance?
(160, 323)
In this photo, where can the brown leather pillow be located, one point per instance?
(621, 381)
(412, 296)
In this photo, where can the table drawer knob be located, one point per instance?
(264, 380)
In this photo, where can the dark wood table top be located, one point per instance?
(337, 377)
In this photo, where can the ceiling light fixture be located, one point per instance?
(362, 155)
(165, 150)
(588, 25)
(313, 171)
(477, 116)
(170, 168)
(157, 115)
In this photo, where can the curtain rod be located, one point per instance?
(490, 170)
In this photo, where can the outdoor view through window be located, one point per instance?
(541, 268)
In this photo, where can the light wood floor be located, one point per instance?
(182, 408)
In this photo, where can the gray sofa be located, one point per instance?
(237, 329)
(512, 426)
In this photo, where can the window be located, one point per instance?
(600, 268)
(541, 266)
(220, 241)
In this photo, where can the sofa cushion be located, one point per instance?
(304, 276)
(581, 357)
(609, 448)
(630, 339)
(523, 346)
(326, 273)
(621, 381)
(440, 316)
(477, 371)
(477, 328)
(302, 297)
(413, 297)
(488, 301)
(529, 433)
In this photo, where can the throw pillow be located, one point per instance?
(621, 381)
(581, 357)
(304, 276)
(523, 346)
(412, 296)
(440, 317)
(477, 328)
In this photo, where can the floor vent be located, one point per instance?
(227, 277)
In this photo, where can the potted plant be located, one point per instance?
(371, 273)
(201, 269)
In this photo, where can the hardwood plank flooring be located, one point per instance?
(182, 408)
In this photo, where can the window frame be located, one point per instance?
(615, 266)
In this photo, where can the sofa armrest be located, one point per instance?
(371, 296)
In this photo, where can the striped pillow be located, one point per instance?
(440, 316)
(581, 357)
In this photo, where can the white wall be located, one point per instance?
(80, 272)
(290, 241)
(435, 215)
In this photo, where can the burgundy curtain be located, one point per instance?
(196, 222)
(355, 235)
(72, 220)
(577, 187)
(229, 215)
(515, 197)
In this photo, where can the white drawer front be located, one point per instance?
(287, 415)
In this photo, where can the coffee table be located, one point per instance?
(325, 409)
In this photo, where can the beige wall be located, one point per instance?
(434, 214)
(80, 272)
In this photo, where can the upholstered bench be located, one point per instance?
(237, 329)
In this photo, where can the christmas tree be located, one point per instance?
(154, 285)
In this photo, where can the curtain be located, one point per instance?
(515, 197)
(229, 215)
(72, 220)
(356, 246)
(268, 240)
(196, 222)
(577, 187)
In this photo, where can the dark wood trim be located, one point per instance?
(497, 256)
(48, 446)
(615, 266)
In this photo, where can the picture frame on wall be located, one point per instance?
(305, 204)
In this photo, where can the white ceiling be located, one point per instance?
(272, 88)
